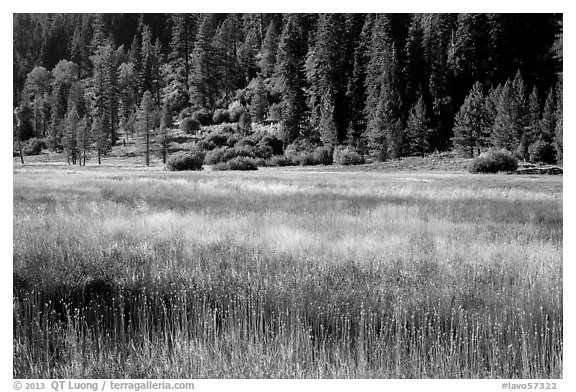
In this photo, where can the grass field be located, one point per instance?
(286, 273)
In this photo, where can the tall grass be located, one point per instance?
(286, 274)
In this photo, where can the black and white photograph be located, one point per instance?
(341, 195)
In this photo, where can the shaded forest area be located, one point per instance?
(383, 85)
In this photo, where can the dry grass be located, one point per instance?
(286, 273)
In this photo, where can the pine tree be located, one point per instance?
(471, 52)
(164, 132)
(356, 90)
(83, 137)
(183, 35)
(384, 102)
(558, 132)
(127, 87)
(258, 100)
(70, 135)
(326, 76)
(228, 72)
(99, 133)
(548, 123)
(438, 37)
(204, 80)
(472, 124)
(105, 87)
(147, 71)
(511, 117)
(267, 56)
(291, 52)
(145, 122)
(416, 68)
(418, 130)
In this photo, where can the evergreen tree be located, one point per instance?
(511, 117)
(127, 87)
(548, 123)
(471, 52)
(148, 60)
(326, 76)
(229, 75)
(145, 122)
(205, 79)
(99, 133)
(267, 56)
(70, 135)
(383, 103)
(105, 87)
(183, 36)
(258, 100)
(247, 55)
(164, 132)
(558, 132)
(438, 34)
(472, 124)
(83, 138)
(291, 52)
(418, 130)
(416, 68)
(356, 91)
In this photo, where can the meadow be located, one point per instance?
(285, 273)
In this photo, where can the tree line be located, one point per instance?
(386, 85)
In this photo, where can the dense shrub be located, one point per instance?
(238, 163)
(541, 151)
(189, 126)
(186, 161)
(203, 116)
(493, 161)
(347, 156)
(220, 116)
(275, 112)
(280, 160)
(235, 110)
(306, 158)
(323, 155)
(215, 156)
(33, 146)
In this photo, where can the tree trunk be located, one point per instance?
(20, 148)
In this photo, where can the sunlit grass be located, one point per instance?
(286, 273)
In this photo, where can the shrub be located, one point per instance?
(275, 112)
(323, 155)
(203, 116)
(33, 146)
(280, 160)
(493, 161)
(215, 156)
(184, 113)
(347, 156)
(220, 116)
(239, 151)
(274, 142)
(189, 126)
(307, 159)
(238, 163)
(186, 161)
(235, 110)
(540, 151)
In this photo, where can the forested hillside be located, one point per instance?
(384, 85)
